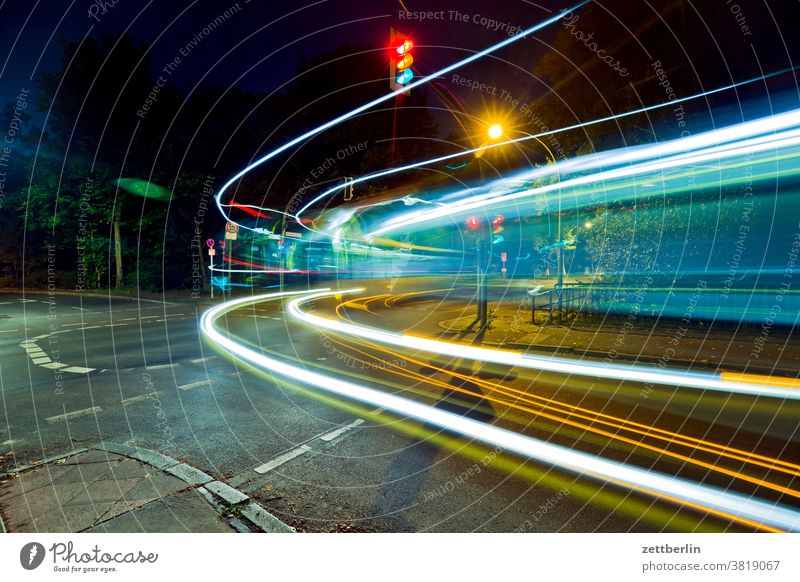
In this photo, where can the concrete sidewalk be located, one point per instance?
(119, 488)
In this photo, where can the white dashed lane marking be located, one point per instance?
(142, 398)
(280, 460)
(74, 414)
(340, 431)
(196, 384)
(302, 449)
(39, 357)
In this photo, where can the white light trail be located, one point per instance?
(737, 141)
(387, 97)
(632, 372)
(732, 504)
(757, 127)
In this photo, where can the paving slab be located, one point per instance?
(182, 512)
(118, 488)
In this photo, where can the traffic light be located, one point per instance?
(497, 227)
(401, 59)
(473, 223)
(348, 189)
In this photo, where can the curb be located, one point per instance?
(233, 501)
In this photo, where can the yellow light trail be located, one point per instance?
(428, 380)
(586, 427)
(552, 405)
(714, 500)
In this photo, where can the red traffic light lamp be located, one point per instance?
(473, 223)
(400, 73)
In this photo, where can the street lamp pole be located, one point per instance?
(495, 132)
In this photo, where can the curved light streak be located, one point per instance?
(546, 170)
(632, 372)
(733, 505)
(387, 97)
(437, 74)
(748, 138)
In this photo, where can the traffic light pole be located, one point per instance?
(482, 292)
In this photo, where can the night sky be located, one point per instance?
(257, 48)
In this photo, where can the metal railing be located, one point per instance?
(571, 301)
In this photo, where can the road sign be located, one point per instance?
(231, 227)
(212, 252)
(231, 235)
(210, 243)
(503, 257)
(292, 234)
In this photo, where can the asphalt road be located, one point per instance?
(325, 464)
